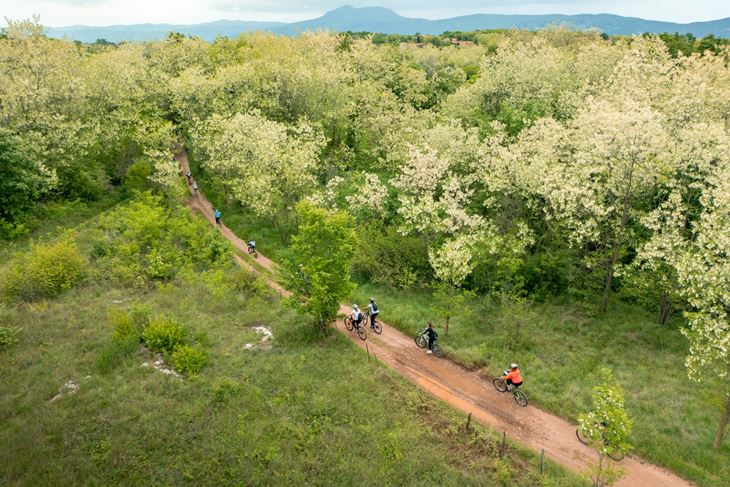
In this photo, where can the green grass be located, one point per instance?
(53, 218)
(561, 350)
(305, 411)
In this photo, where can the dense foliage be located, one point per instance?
(526, 165)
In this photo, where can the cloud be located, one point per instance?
(105, 12)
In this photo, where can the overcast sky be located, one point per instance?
(105, 12)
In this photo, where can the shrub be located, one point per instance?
(130, 324)
(146, 241)
(393, 260)
(188, 359)
(8, 336)
(45, 271)
(163, 335)
(247, 282)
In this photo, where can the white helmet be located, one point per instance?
(354, 306)
(513, 366)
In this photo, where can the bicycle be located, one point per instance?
(349, 325)
(376, 326)
(422, 342)
(502, 386)
(252, 251)
(616, 456)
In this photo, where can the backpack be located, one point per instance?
(375, 307)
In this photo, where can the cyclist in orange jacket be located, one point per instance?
(512, 377)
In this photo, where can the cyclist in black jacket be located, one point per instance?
(432, 336)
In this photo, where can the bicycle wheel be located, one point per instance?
(348, 323)
(421, 341)
(377, 327)
(520, 398)
(500, 385)
(437, 350)
(580, 436)
(361, 333)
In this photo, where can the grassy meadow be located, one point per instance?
(293, 410)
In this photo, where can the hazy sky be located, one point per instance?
(106, 12)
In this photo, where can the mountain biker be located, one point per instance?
(373, 309)
(189, 176)
(432, 335)
(251, 245)
(356, 316)
(195, 188)
(217, 217)
(512, 377)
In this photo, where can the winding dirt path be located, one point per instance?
(468, 391)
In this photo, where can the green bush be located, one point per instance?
(130, 324)
(188, 359)
(145, 241)
(393, 260)
(163, 335)
(8, 336)
(45, 271)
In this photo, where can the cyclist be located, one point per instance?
(195, 188)
(432, 335)
(217, 217)
(373, 309)
(512, 377)
(251, 246)
(189, 176)
(356, 316)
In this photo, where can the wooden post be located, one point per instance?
(542, 461)
(468, 422)
(502, 446)
(368, 350)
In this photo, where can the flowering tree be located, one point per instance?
(452, 263)
(703, 268)
(265, 165)
(691, 235)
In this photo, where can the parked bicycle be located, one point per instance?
(422, 342)
(502, 386)
(375, 326)
(359, 329)
(616, 456)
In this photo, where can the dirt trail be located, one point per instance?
(468, 391)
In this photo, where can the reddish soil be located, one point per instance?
(468, 391)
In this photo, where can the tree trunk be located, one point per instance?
(599, 473)
(619, 236)
(610, 265)
(665, 308)
(446, 330)
(723, 424)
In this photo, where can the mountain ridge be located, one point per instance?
(386, 21)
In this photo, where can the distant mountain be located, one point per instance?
(386, 21)
(149, 32)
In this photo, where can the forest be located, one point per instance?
(557, 198)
